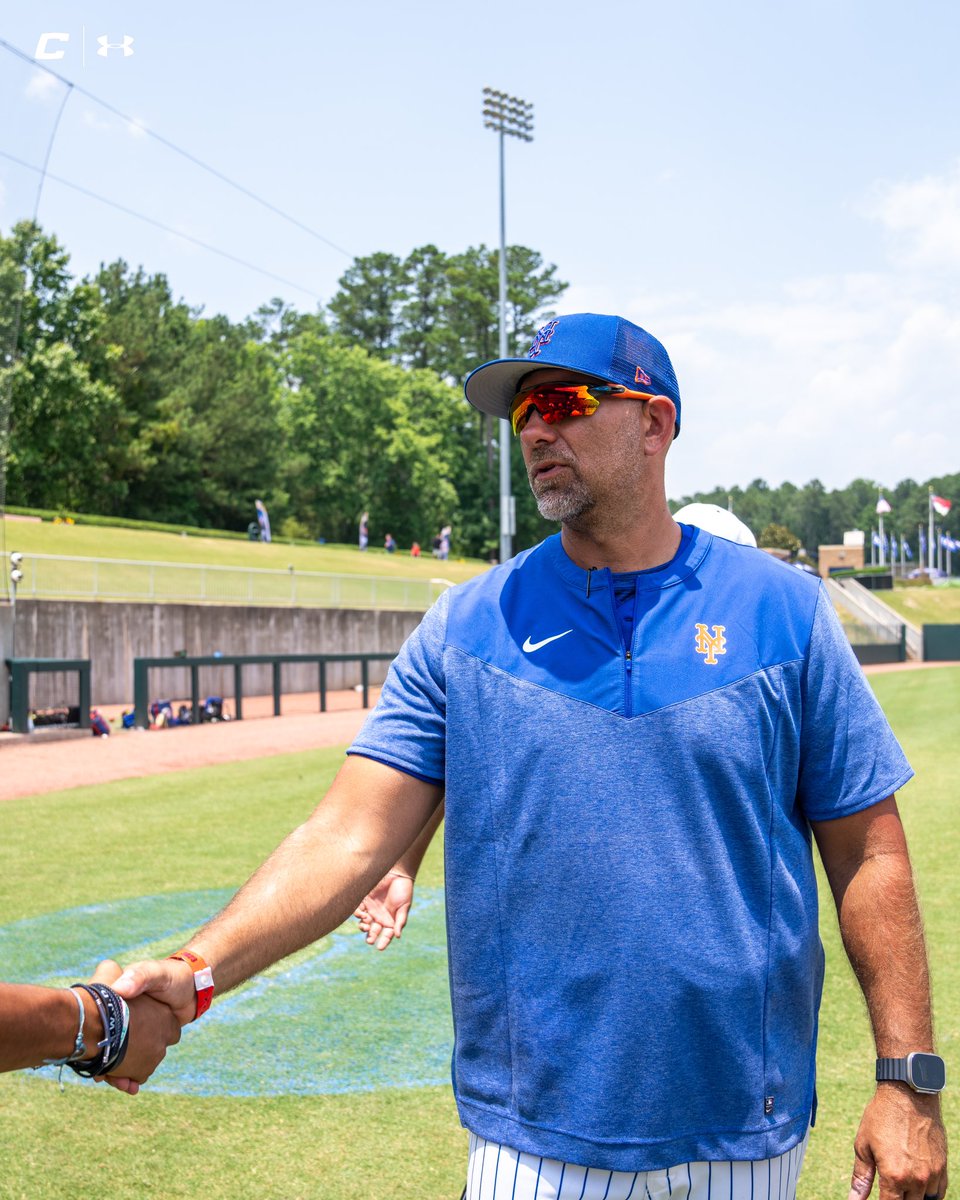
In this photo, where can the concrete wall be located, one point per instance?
(112, 635)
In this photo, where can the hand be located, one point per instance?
(383, 912)
(162, 999)
(901, 1138)
(153, 1028)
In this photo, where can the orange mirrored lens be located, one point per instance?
(554, 402)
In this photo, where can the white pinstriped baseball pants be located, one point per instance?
(497, 1172)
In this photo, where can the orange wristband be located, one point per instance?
(202, 979)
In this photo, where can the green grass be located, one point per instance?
(208, 829)
(94, 541)
(925, 605)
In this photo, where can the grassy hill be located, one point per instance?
(148, 545)
(925, 605)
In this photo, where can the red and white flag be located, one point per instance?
(940, 505)
(883, 506)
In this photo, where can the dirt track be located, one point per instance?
(30, 768)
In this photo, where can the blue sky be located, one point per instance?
(772, 190)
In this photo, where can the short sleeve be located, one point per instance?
(849, 757)
(407, 728)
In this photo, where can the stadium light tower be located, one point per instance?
(507, 116)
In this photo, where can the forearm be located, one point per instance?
(314, 880)
(882, 933)
(41, 1022)
(409, 862)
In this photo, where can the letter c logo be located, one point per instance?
(50, 55)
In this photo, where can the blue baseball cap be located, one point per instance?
(609, 348)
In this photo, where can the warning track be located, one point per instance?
(31, 766)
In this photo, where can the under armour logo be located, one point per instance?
(711, 645)
(543, 336)
(103, 41)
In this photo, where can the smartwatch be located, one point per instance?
(923, 1072)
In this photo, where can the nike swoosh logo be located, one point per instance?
(529, 647)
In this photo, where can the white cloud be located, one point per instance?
(832, 377)
(94, 120)
(42, 85)
(923, 219)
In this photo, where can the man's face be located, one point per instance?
(582, 463)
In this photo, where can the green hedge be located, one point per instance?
(48, 514)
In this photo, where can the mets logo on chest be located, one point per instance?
(711, 644)
(542, 338)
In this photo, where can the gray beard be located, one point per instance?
(566, 504)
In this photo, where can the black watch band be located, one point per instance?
(923, 1072)
(891, 1069)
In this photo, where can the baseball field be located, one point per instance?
(328, 1077)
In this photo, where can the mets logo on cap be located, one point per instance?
(542, 338)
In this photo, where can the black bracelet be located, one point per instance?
(115, 1017)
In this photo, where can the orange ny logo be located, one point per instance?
(711, 645)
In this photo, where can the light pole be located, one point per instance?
(507, 116)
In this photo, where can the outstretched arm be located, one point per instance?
(309, 885)
(41, 1023)
(901, 1137)
(383, 912)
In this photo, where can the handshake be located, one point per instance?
(117, 1027)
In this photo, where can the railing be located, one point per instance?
(886, 624)
(63, 577)
(143, 666)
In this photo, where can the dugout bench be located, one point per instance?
(143, 666)
(20, 671)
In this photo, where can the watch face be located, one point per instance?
(927, 1072)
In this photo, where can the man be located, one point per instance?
(635, 726)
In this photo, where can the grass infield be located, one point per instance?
(207, 829)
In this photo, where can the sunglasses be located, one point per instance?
(557, 401)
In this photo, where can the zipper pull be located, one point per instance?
(629, 661)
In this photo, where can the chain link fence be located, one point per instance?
(59, 577)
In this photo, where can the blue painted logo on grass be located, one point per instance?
(337, 1017)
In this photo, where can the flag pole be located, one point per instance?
(930, 548)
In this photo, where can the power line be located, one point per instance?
(159, 225)
(178, 150)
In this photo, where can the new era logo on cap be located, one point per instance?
(606, 347)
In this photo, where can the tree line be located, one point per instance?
(818, 517)
(122, 400)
